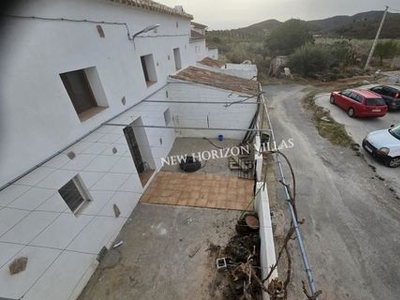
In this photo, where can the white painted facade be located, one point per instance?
(35, 52)
(213, 53)
(235, 116)
(246, 71)
(198, 49)
(39, 123)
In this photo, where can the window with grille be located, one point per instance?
(74, 194)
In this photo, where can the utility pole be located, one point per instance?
(376, 38)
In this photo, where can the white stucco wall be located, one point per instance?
(61, 247)
(198, 49)
(236, 116)
(37, 116)
(213, 53)
(238, 70)
(248, 71)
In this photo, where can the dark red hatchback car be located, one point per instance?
(360, 103)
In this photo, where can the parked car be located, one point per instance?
(360, 103)
(385, 145)
(389, 93)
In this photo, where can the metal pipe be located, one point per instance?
(197, 102)
(303, 252)
(183, 127)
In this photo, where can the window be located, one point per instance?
(356, 97)
(149, 70)
(177, 57)
(79, 86)
(134, 148)
(167, 117)
(74, 193)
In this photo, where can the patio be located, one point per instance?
(213, 186)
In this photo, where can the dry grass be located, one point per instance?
(327, 127)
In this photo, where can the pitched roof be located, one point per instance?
(156, 7)
(223, 81)
(194, 35)
(208, 61)
(198, 25)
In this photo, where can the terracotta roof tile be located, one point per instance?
(198, 25)
(194, 35)
(212, 62)
(223, 81)
(154, 6)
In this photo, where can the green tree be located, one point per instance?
(386, 49)
(288, 36)
(343, 53)
(311, 59)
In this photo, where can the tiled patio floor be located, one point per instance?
(201, 190)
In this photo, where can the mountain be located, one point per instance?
(362, 26)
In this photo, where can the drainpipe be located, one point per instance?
(303, 252)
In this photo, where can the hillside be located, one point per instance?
(362, 26)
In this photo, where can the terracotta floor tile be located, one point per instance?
(166, 193)
(230, 205)
(202, 202)
(192, 201)
(201, 190)
(196, 188)
(145, 198)
(181, 202)
(213, 190)
(220, 197)
(212, 203)
(223, 190)
(212, 196)
(231, 197)
(194, 195)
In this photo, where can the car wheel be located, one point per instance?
(332, 100)
(393, 162)
(351, 112)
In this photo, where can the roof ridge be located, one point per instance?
(154, 6)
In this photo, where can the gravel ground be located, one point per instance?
(351, 216)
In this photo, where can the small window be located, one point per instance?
(167, 117)
(149, 70)
(78, 89)
(177, 57)
(86, 101)
(74, 193)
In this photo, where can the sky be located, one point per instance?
(230, 14)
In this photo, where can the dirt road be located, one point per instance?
(351, 217)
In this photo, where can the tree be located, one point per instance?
(288, 36)
(310, 59)
(386, 49)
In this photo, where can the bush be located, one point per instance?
(311, 59)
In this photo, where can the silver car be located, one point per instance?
(385, 145)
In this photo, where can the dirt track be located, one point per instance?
(351, 217)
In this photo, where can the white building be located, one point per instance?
(76, 88)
